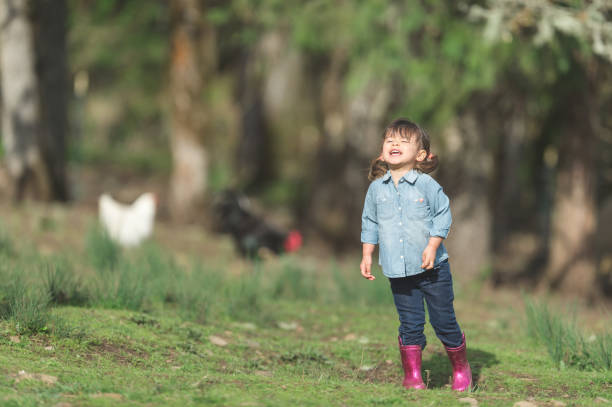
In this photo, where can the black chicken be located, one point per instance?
(250, 232)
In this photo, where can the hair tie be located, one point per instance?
(431, 156)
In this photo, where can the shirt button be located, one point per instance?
(401, 257)
(400, 208)
(401, 240)
(400, 223)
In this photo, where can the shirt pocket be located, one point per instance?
(419, 208)
(384, 208)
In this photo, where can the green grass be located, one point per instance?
(6, 244)
(144, 329)
(565, 343)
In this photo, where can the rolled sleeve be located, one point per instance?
(369, 222)
(442, 218)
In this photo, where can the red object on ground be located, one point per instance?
(293, 241)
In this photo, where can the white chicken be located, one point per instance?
(128, 225)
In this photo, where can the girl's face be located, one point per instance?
(402, 153)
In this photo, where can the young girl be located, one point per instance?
(407, 214)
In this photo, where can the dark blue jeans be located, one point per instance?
(436, 287)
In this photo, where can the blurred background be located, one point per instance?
(285, 102)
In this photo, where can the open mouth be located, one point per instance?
(395, 152)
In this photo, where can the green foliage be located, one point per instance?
(434, 56)
(123, 49)
(565, 344)
(144, 161)
(588, 23)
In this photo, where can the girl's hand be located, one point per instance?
(366, 268)
(429, 257)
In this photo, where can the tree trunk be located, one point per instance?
(279, 134)
(509, 156)
(192, 42)
(352, 138)
(21, 118)
(253, 150)
(465, 173)
(49, 18)
(572, 267)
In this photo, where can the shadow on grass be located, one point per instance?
(440, 371)
(438, 365)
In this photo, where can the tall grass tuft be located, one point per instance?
(61, 283)
(294, 283)
(102, 252)
(124, 288)
(6, 244)
(354, 288)
(24, 304)
(565, 344)
(244, 297)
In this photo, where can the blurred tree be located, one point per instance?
(313, 84)
(34, 97)
(577, 37)
(192, 61)
(50, 26)
(382, 60)
(366, 62)
(254, 148)
(119, 55)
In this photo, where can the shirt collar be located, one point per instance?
(410, 176)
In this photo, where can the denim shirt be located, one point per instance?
(402, 219)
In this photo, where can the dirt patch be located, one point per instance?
(45, 378)
(381, 373)
(120, 353)
(523, 376)
(112, 396)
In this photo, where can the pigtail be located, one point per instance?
(378, 168)
(429, 164)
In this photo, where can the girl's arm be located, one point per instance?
(369, 221)
(369, 233)
(440, 206)
(429, 254)
(366, 261)
(441, 222)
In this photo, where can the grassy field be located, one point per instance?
(182, 321)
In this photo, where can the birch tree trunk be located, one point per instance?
(21, 122)
(191, 56)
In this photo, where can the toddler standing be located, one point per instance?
(407, 214)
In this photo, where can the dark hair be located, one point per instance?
(406, 129)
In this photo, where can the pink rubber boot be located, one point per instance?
(411, 362)
(462, 374)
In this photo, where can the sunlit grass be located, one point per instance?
(147, 328)
(565, 342)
